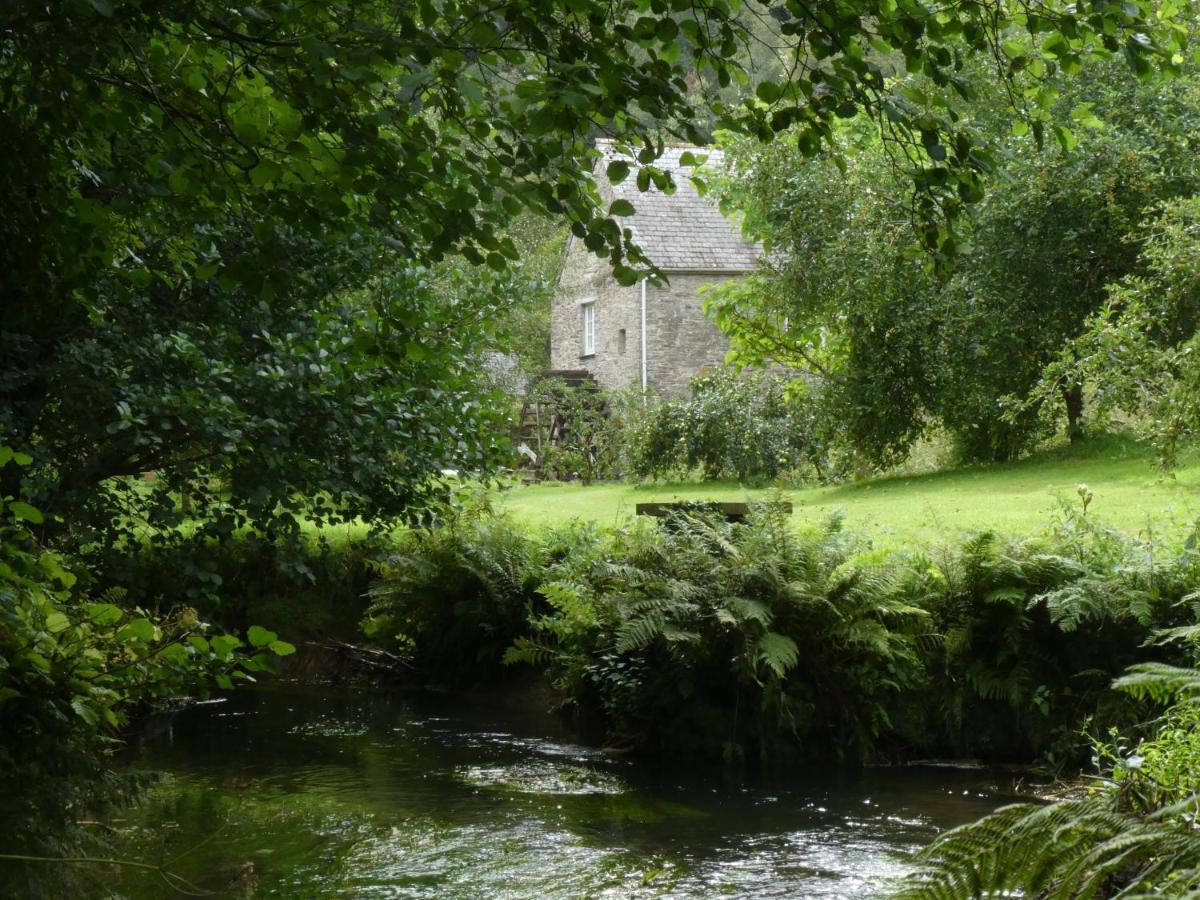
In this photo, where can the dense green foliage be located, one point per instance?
(456, 592)
(1139, 349)
(1133, 835)
(253, 258)
(246, 412)
(754, 641)
(844, 294)
(718, 640)
(221, 223)
(749, 426)
(582, 430)
(73, 670)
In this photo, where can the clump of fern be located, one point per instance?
(729, 639)
(1033, 631)
(1136, 834)
(454, 594)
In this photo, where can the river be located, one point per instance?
(307, 792)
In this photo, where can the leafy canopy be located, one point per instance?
(844, 292)
(222, 222)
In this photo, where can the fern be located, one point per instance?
(778, 653)
(1070, 849)
(1137, 836)
(529, 651)
(1160, 682)
(639, 633)
(742, 610)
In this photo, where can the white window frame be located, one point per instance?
(587, 311)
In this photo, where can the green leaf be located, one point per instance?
(1004, 594)
(265, 173)
(621, 208)
(1013, 49)
(198, 642)
(103, 613)
(281, 648)
(617, 171)
(767, 91)
(223, 645)
(174, 653)
(259, 636)
(1065, 136)
(85, 712)
(57, 622)
(139, 629)
(51, 564)
(23, 510)
(778, 653)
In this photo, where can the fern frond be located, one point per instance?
(1184, 634)
(778, 653)
(1159, 682)
(744, 610)
(638, 633)
(529, 651)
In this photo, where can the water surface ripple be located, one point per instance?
(313, 792)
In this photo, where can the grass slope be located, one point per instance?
(1130, 493)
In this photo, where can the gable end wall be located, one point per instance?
(680, 339)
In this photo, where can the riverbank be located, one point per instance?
(1129, 492)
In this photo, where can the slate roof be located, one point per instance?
(680, 232)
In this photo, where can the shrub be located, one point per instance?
(713, 638)
(582, 429)
(73, 672)
(744, 426)
(1133, 835)
(752, 640)
(311, 586)
(454, 594)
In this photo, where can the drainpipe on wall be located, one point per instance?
(643, 340)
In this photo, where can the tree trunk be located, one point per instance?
(1073, 397)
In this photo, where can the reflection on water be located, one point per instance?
(304, 793)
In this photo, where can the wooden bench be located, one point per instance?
(733, 512)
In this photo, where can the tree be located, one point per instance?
(1139, 350)
(75, 670)
(844, 292)
(1056, 230)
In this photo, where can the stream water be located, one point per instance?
(309, 792)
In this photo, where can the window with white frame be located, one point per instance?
(589, 328)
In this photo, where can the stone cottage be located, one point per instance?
(651, 336)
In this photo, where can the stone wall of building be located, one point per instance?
(680, 340)
(617, 360)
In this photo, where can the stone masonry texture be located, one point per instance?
(695, 246)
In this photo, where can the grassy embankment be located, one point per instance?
(929, 509)
(1130, 493)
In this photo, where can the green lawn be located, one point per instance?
(1129, 492)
